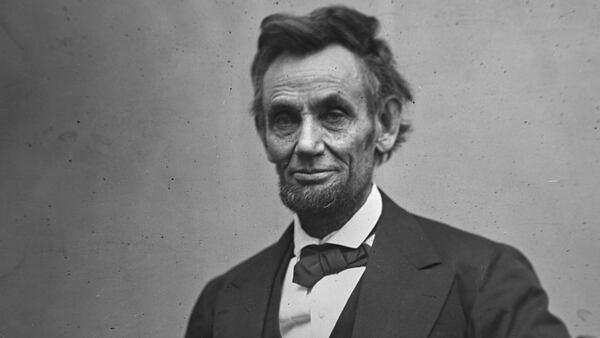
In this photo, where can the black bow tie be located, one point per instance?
(318, 261)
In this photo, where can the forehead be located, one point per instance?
(331, 69)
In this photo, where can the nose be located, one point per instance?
(310, 142)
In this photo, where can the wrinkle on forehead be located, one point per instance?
(307, 84)
(334, 69)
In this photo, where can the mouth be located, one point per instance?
(312, 176)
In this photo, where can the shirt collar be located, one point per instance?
(353, 233)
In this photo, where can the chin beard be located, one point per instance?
(336, 198)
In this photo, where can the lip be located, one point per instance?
(312, 176)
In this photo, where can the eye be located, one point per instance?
(283, 121)
(334, 116)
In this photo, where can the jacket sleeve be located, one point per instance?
(201, 320)
(511, 302)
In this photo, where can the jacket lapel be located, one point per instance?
(246, 297)
(405, 283)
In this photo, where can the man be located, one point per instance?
(328, 109)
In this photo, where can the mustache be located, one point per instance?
(309, 167)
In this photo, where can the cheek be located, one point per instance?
(278, 150)
(361, 143)
(362, 152)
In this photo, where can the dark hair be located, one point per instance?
(307, 34)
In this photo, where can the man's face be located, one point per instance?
(318, 131)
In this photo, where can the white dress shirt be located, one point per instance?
(313, 312)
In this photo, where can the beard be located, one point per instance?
(338, 197)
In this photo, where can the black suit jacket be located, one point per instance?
(423, 279)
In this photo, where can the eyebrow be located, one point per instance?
(333, 100)
(327, 101)
(280, 106)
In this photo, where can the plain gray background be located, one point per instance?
(130, 172)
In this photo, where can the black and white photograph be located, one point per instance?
(382, 168)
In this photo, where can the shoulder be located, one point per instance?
(459, 245)
(475, 260)
(473, 257)
(252, 270)
(499, 289)
(451, 245)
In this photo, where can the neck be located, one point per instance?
(321, 223)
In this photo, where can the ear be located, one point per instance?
(388, 121)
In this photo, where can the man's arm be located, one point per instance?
(511, 302)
